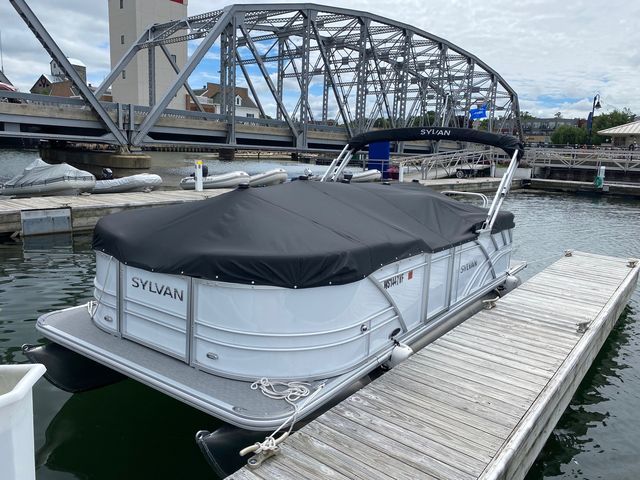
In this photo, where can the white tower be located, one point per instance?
(127, 20)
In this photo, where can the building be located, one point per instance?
(4, 79)
(128, 19)
(210, 97)
(56, 82)
(623, 135)
(539, 130)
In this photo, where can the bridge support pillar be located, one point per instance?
(95, 160)
(227, 154)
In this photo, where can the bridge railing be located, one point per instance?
(143, 111)
(623, 160)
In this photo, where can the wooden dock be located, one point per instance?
(86, 210)
(479, 402)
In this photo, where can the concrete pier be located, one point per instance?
(95, 160)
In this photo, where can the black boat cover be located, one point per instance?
(299, 234)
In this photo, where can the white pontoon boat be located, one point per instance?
(215, 302)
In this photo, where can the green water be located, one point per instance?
(128, 430)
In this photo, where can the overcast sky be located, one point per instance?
(556, 55)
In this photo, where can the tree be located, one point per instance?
(566, 134)
(609, 120)
(557, 115)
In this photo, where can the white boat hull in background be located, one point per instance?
(270, 177)
(133, 183)
(57, 187)
(41, 178)
(366, 176)
(225, 180)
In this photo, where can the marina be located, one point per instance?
(62, 273)
(302, 241)
(480, 401)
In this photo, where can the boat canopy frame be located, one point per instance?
(509, 144)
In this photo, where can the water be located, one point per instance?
(128, 430)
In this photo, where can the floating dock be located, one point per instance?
(479, 402)
(82, 212)
(588, 188)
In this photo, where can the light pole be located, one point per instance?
(596, 104)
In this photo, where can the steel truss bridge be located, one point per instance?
(317, 74)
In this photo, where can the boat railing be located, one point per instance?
(481, 196)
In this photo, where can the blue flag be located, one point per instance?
(478, 113)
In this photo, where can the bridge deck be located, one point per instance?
(86, 210)
(479, 402)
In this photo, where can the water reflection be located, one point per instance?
(123, 431)
(35, 277)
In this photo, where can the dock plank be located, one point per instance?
(480, 401)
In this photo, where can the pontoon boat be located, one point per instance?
(303, 287)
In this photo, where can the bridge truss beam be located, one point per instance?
(310, 66)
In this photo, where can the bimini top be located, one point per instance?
(297, 235)
(506, 142)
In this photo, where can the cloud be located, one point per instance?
(556, 55)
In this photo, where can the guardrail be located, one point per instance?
(445, 164)
(623, 160)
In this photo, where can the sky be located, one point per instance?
(555, 55)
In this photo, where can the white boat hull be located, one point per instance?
(270, 177)
(248, 332)
(225, 180)
(366, 176)
(133, 183)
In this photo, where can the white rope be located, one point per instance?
(290, 392)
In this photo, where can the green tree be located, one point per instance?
(609, 120)
(557, 115)
(567, 134)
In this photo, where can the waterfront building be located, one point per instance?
(539, 130)
(210, 97)
(623, 135)
(56, 82)
(128, 19)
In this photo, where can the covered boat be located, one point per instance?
(41, 178)
(224, 180)
(307, 286)
(133, 183)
